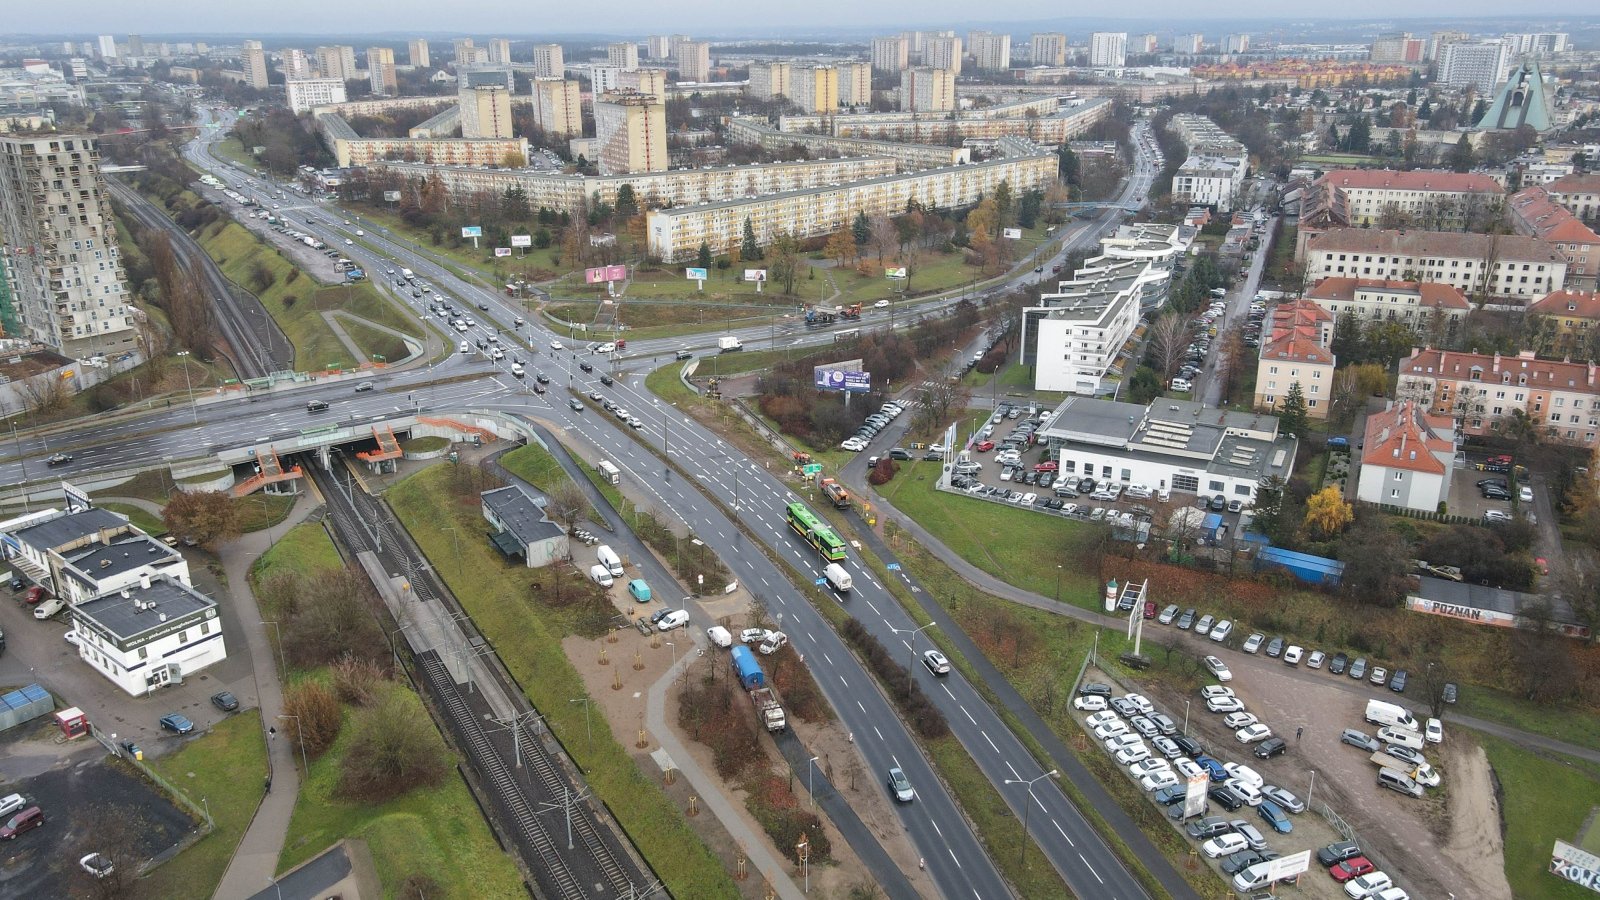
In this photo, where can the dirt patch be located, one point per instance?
(1474, 845)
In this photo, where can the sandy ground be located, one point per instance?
(1474, 823)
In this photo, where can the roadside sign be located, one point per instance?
(695, 273)
(893, 567)
(471, 231)
(821, 581)
(811, 469)
(1014, 234)
(895, 272)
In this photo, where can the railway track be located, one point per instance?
(536, 756)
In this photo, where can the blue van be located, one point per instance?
(639, 590)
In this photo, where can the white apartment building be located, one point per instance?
(1580, 194)
(890, 54)
(1546, 43)
(1420, 306)
(336, 62)
(630, 132)
(1146, 43)
(1108, 49)
(558, 107)
(1420, 195)
(942, 52)
(694, 61)
(499, 51)
(1408, 457)
(1236, 43)
(60, 247)
(1479, 389)
(770, 80)
(1209, 181)
(307, 93)
(296, 64)
(157, 632)
(380, 71)
(1480, 65)
(1078, 330)
(106, 46)
(1188, 44)
(418, 53)
(623, 54)
(990, 52)
(1499, 265)
(676, 234)
(1048, 48)
(548, 61)
(855, 83)
(253, 61)
(927, 90)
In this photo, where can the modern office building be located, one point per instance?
(923, 89)
(306, 94)
(499, 51)
(990, 52)
(815, 89)
(694, 61)
(1479, 65)
(1108, 49)
(891, 54)
(623, 54)
(770, 80)
(380, 71)
(558, 107)
(942, 51)
(418, 53)
(61, 258)
(1494, 265)
(1048, 49)
(157, 632)
(253, 62)
(630, 133)
(336, 62)
(548, 61)
(855, 83)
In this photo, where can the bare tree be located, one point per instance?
(566, 504)
(44, 393)
(885, 237)
(117, 848)
(1169, 337)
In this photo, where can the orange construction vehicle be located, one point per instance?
(835, 493)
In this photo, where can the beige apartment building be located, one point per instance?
(1296, 352)
(1421, 306)
(59, 247)
(1050, 123)
(490, 112)
(1478, 390)
(927, 90)
(623, 54)
(891, 54)
(336, 62)
(676, 233)
(1433, 200)
(855, 83)
(748, 130)
(990, 52)
(630, 133)
(499, 51)
(816, 89)
(1496, 265)
(380, 71)
(558, 107)
(417, 53)
(694, 61)
(548, 61)
(1048, 49)
(942, 52)
(1580, 194)
(771, 80)
(253, 60)
(350, 149)
(645, 81)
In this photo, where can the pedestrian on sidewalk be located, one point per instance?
(272, 732)
(269, 784)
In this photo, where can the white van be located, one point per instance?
(1382, 713)
(600, 575)
(1403, 737)
(1182, 384)
(609, 559)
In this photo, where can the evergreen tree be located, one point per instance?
(1067, 164)
(1461, 155)
(1347, 339)
(1292, 418)
(1359, 139)
(1003, 202)
(703, 258)
(627, 203)
(1333, 137)
(861, 230)
(1028, 209)
(749, 250)
(1425, 111)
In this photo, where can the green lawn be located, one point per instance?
(527, 636)
(262, 510)
(379, 346)
(538, 467)
(437, 830)
(305, 549)
(1543, 799)
(143, 520)
(225, 769)
(1572, 724)
(459, 255)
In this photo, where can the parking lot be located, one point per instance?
(1467, 499)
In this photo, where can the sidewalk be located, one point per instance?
(255, 860)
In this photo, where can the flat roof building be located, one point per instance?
(1048, 49)
(890, 54)
(252, 61)
(548, 61)
(558, 107)
(1108, 49)
(925, 89)
(305, 94)
(157, 632)
(694, 61)
(418, 53)
(380, 71)
(630, 132)
(524, 529)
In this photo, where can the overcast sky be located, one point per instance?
(637, 17)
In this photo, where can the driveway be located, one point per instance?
(1209, 391)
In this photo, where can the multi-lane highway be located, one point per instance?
(736, 487)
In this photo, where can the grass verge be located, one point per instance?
(262, 510)
(222, 771)
(141, 518)
(1543, 798)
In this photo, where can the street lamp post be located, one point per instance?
(1023, 857)
(811, 769)
(27, 506)
(912, 659)
(1058, 583)
(281, 661)
(588, 729)
(188, 386)
(1186, 717)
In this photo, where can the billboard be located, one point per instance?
(471, 231)
(1014, 234)
(1288, 866)
(695, 273)
(600, 274)
(1575, 865)
(522, 240)
(843, 376)
(895, 272)
(502, 251)
(75, 498)
(1194, 794)
(755, 274)
(391, 196)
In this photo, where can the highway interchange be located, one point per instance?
(730, 498)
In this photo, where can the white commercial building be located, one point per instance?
(154, 633)
(1174, 445)
(307, 93)
(1108, 49)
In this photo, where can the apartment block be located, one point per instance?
(659, 46)
(923, 89)
(1048, 49)
(645, 81)
(469, 55)
(1477, 390)
(1235, 44)
(623, 54)
(1534, 212)
(558, 107)
(676, 234)
(305, 94)
(1108, 49)
(891, 54)
(1188, 44)
(1146, 43)
(548, 61)
(1438, 200)
(855, 83)
(1497, 265)
(350, 149)
(253, 61)
(380, 71)
(1580, 194)
(106, 46)
(1575, 318)
(336, 62)
(749, 130)
(1398, 48)
(694, 61)
(942, 52)
(1408, 458)
(815, 89)
(1296, 352)
(990, 52)
(1479, 65)
(1426, 307)
(499, 51)
(418, 53)
(630, 132)
(1077, 331)
(486, 112)
(771, 80)
(296, 64)
(1050, 122)
(61, 258)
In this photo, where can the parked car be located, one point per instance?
(1354, 867)
(1314, 661)
(1358, 669)
(1275, 817)
(1379, 676)
(1186, 619)
(1360, 740)
(1285, 799)
(1168, 614)
(225, 701)
(1275, 647)
(1218, 668)
(1336, 666)
(1398, 682)
(21, 823)
(1254, 642)
(1270, 747)
(176, 723)
(1338, 852)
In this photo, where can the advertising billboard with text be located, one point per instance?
(600, 274)
(502, 251)
(522, 240)
(391, 196)
(471, 231)
(755, 274)
(843, 376)
(695, 273)
(1014, 234)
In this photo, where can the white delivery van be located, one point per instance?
(610, 560)
(1381, 713)
(838, 577)
(600, 575)
(407, 273)
(609, 471)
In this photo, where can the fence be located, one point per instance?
(1426, 515)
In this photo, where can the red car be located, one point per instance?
(1049, 466)
(1354, 867)
(1502, 460)
(983, 446)
(37, 593)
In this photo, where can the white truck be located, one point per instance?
(407, 274)
(600, 575)
(769, 709)
(838, 578)
(609, 471)
(610, 560)
(729, 344)
(1381, 713)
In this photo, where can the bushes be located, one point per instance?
(923, 715)
(883, 471)
(395, 749)
(717, 717)
(801, 696)
(325, 618)
(775, 806)
(314, 716)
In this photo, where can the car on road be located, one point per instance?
(58, 459)
(900, 786)
(936, 662)
(881, 304)
(1254, 642)
(577, 405)
(1525, 494)
(225, 701)
(363, 387)
(176, 723)
(1218, 668)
